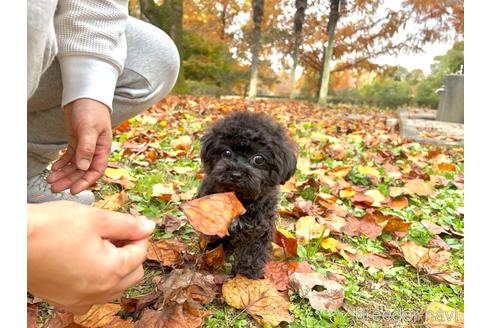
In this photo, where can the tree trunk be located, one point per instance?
(298, 22)
(258, 6)
(223, 16)
(169, 18)
(332, 23)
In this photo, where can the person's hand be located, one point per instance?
(88, 124)
(72, 260)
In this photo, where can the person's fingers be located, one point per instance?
(86, 146)
(119, 226)
(128, 258)
(130, 280)
(61, 173)
(64, 160)
(85, 181)
(67, 181)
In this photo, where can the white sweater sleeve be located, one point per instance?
(91, 47)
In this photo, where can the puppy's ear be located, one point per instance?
(207, 142)
(289, 163)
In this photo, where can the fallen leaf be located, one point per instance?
(329, 244)
(367, 170)
(279, 272)
(342, 171)
(347, 193)
(330, 295)
(361, 199)
(446, 167)
(214, 258)
(259, 298)
(181, 143)
(307, 228)
(305, 207)
(378, 261)
(398, 203)
(424, 259)
(103, 315)
(369, 227)
(391, 223)
(61, 319)
(333, 222)
(163, 192)
(170, 223)
(419, 187)
(376, 196)
(112, 202)
(174, 316)
(433, 228)
(438, 315)
(397, 191)
(304, 165)
(287, 241)
(116, 173)
(138, 303)
(168, 252)
(31, 315)
(212, 214)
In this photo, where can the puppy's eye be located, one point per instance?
(258, 160)
(227, 153)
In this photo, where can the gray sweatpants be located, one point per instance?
(151, 69)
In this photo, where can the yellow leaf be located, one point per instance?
(346, 193)
(116, 173)
(112, 202)
(438, 315)
(286, 233)
(329, 244)
(260, 298)
(307, 228)
(367, 170)
(377, 197)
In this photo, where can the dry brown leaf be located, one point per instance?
(214, 258)
(168, 252)
(433, 228)
(112, 202)
(329, 298)
(173, 316)
(424, 259)
(305, 208)
(31, 315)
(103, 315)
(212, 214)
(369, 227)
(438, 315)
(378, 261)
(398, 203)
(279, 272)
(391, 223)
(138, 303)
(259, 298)
(419, 187)
(288, 243)
(333, 222)
(61, 319)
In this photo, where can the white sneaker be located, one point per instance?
(39, 191)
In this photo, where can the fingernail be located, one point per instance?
(147, 224)
(84, 164)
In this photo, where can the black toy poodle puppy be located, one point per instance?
(250, 154)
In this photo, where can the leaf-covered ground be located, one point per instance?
(380, 216)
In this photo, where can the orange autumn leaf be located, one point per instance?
(212, 214)
(419, 187)
(279, 272)
(398, 203)
(214, 258)
(103, 315)
(166, 251)
(112, 202)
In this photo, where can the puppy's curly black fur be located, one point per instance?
(250, 154)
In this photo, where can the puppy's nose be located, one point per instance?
(236, 175)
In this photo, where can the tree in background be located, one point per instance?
(298, 22)
(258, 6)
(328, 51)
